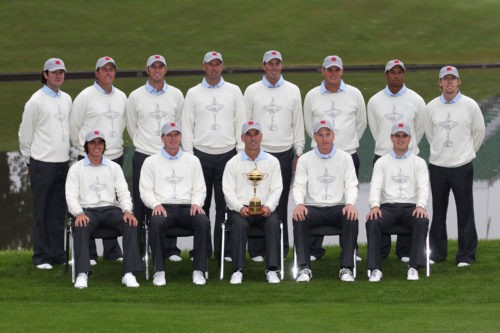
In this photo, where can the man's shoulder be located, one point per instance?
(378, 95)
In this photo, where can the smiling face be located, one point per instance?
(272, 70)
(400, 141)
(95, 149)
(54, 79)
(156, 73)
(449, 84)
(213, 71)
(105, 76)
(172, 142)
(324, 140)
(395, 78)
(332, 76)
(252, 139)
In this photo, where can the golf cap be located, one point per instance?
(401, 127)
(392, 63)
(94, 134)
(170, 127)
(323, 124)
(209, 56)
(250, 125)
(154, 58)
(332, 60)
(54, 64)
(101, 62)
(448, 70)
(271, 54)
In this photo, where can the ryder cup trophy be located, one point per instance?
(255, 176)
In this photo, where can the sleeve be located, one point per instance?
(374, 196)
(478, 127)
(131, 116)
(239, 117)
(76, 120)
(308, 116)
(361, 121)
(372, 118)
(26, 129)
(188, 122)
(427, 123)
(350, 182)
(72, 191)
(420, 120)
(422, 178)
(121, 188)
(229, 186)
(300, 181)
(179, 105)
(276, 186)
(248, 96)
(199, 190)
(146, 185)
(298, 124)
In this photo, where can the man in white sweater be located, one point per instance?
(212, 116)
(344, 106)
(101, 105)
(455, 130)
(172, 186)
(276, 104)
(148, 108)
(44, 143)
(395, 103)
(325, 190)
(238, 190)
(399, 191)
(97, 196)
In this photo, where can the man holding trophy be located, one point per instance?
(252, 187)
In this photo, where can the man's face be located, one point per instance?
(213, 70)
(272, 70)
(395, 78)
(332, 75)
(400, 141)
(54, 79)
(106, 75)
(252, 139)
(449, 84)
(172, 141)
(324, 140)
(96, 148)
(157, 72)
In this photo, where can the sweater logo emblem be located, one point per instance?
(97, 187)
(111, 115)
(157, 115)
(448, 125)
(173, 180)
(325, 179)
(62, 118)
(214, 107)
(402, 181)
(272, 108)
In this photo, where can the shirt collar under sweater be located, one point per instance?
(170, 157)
(404, 157)
(326, 91)
(261, 156)
(150, 89)
(325, 156)
(453, 101)
(205, 84)
(99, 88)
(86, 161)
(51, 92)
(399, 93)
(268, 84)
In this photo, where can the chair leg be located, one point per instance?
(72, 249)
(282, 252)
(354, 269)
(294, 268)
(428, 255)
(146, 250)
(223, 245)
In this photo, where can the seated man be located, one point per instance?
(98, 196)
(399, 191)
(238, 190)
(172, 185)
(325, 190)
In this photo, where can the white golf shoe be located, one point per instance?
(199, 278)
(236, 278)
(159, 279)
(412, 274)
(272, 277)
(130, 281)
(81, 281)
(375, 276)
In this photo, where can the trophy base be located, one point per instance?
(255, 212)
(255, 207)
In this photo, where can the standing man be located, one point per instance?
(277, 105)
(97, 196)
(147, 109)
(212, 116)
(44, 143)
(344, 106)
(238, 191)
(399, 191)
(172, 186)
(455, 130)
(395, 103)
(325, 190)
(101, 105)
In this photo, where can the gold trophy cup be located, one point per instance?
(255, 176)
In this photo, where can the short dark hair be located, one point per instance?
(43, 79)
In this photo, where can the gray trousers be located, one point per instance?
(325, 216)
(392, 215)
(110, 217)
(178, 216)
(239, 229)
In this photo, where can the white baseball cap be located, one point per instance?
(54, 64)
(333, 60)
(271, 54)
(103, 61)
(154, 58)
(323, 124)
(250, 125)
(401, 127)
(393, 63)
(94, 134)
(170, 127)
(209, 56)
(448, 70)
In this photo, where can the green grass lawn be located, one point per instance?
(450, 300)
